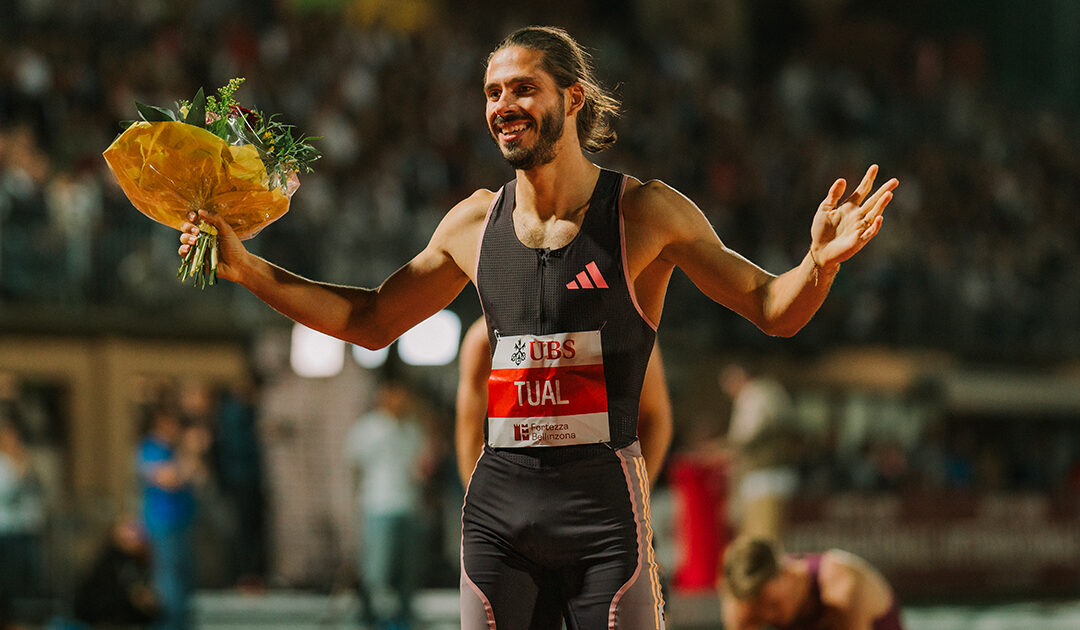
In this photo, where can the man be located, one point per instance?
(388, 448)
(169, 464)
(571, 263)
(474, 363)
(834, 590)
(22, 515)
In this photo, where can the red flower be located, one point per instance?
(252, 117)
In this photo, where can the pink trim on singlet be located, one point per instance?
(465, 574)
(480, 246)
(625, 265)
(483, 230)
(641, 553)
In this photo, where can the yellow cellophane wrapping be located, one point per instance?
(168, 169)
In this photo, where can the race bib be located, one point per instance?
(547, 390)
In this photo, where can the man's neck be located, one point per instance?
(558, 189)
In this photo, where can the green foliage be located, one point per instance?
(281, 152)
(197, 110)
(151, 113)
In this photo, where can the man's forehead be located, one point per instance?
(515, 63)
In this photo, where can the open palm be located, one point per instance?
(839, 231)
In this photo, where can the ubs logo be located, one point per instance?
(519, 352)
(551, 350)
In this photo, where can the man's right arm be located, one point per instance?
(368, 317)
(655, 423)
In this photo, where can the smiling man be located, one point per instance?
(571, 263)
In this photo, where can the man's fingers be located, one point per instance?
(183, 250)
(212, 219)
(871, 231)
(887, 187)
(876, 204)
(865, 186)
(835, 192)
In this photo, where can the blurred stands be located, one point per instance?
(978, 257)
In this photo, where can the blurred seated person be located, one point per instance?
(117, 590)
(833, 590)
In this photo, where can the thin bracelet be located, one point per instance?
(818, 268)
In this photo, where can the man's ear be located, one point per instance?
(575, 99)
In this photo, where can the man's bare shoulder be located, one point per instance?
(653, 199)
(841, 575)
(461, 223)
(474, 207)
(459, 231)
(656, 215)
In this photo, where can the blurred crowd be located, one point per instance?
(978, 254)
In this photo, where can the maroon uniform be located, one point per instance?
(816, 616)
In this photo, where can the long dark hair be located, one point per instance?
(569, 63)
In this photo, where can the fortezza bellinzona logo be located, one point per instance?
(519, 352)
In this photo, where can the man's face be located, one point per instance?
(168, 427)
(775, 605)
(526, 111)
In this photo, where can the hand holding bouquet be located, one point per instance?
(213, 155)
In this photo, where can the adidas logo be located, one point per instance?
(590, 280)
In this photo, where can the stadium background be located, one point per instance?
(940, 380)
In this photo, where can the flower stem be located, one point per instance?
(200, 263)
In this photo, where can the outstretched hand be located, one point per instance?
(838, 232)
(230, 250)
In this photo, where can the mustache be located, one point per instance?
(499, 120)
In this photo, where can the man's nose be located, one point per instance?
(506, 103)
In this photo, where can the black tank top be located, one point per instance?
(582, 286)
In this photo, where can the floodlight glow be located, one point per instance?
(433, 341)
(370, 359)
(315, 355)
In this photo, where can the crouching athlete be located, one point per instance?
(834, 590)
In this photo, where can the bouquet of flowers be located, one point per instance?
(210, 154)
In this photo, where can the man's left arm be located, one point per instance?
(779, 305)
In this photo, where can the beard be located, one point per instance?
(543, 151)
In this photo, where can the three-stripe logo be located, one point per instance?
(590, 280)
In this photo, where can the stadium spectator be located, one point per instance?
(762, 436)
(240, 474)
(387, 447)
(117, 590)
(22, 517)
(170, 464)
